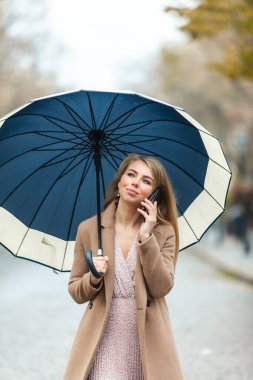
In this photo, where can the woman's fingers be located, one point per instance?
(149, 206)
(150, 209)
(142, 212)
(147, 203)
(150, 216)
(101, 258)
(100, 263)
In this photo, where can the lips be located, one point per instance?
(131, 191)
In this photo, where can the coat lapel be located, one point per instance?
(140, 287)
(108, 244)
(108, 235)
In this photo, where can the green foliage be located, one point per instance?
(230, 24)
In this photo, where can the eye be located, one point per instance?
(130, 174)
(147, 181)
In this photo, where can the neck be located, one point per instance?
(127, 215)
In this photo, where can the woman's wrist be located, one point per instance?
(144, 237)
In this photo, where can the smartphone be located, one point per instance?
(154, 197)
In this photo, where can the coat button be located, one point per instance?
(90, 305)
(148, 303)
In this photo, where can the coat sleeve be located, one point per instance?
(79, 285)
(158, 263)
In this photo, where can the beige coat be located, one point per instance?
(153, 280)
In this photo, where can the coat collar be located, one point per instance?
(108, 216)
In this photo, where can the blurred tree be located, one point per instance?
(180, 76)
(229, 23)
(21, 40)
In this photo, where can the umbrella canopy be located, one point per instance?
(48, 177)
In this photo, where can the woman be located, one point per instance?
(125, 332)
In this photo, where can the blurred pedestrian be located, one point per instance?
(125, 332)
(238, 222)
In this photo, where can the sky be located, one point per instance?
(108, 43)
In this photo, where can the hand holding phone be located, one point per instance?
(153, 197)
(150, 220)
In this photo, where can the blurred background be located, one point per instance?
(197, 55)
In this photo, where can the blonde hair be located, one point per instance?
(166, 207)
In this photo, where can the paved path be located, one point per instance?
(227, 254)
(37, 321)
(212, 317)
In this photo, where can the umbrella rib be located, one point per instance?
(138, 123)
(190, 226)
(108, 112)
(154, 155)
(127, 114)
(145, 123)
(50, 119)
(68, 140)
(149, 122)
(49, 144)
(35, 133)
(40, 133)
(186, 123)
(125, 152)
(63, 160)
(67, 107)
(84, 173)
(44, 117)
(38, 208)
(198, 238)
(132, 132)
(53, 119)
(119, 142)
(36, 149)
(86, 169)
(30, 174)
(111, 156)
(70, 111)
(91, 112)
(57, 138)
(61, 149)
(122, 121)
(73, 167)
(182, 214)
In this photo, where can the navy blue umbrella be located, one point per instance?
(54, 150)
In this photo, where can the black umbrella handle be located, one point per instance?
(91, 264)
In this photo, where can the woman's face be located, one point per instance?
(136, 183)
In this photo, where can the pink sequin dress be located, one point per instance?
(118, 354)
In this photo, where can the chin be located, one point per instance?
(131, 200)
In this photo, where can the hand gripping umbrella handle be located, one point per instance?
(91, 264)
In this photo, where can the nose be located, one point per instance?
(135, 182)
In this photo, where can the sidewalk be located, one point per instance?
(226, 255)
